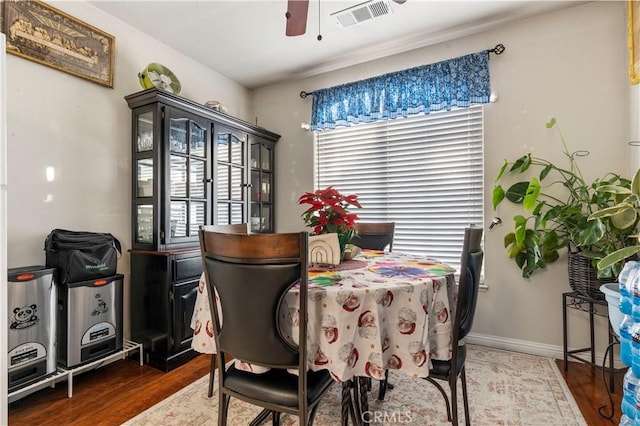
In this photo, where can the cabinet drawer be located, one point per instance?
(187, 268)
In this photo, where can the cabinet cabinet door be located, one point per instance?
(231, 175)
(262, 183)
(184, 301)
(146, 154)
(187, 183)
(172, 177)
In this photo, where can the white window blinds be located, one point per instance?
(424, 172)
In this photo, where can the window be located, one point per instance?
(424, 172)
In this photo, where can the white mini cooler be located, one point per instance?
(89, 320)
(31, 296)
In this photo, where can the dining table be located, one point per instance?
(380, 310)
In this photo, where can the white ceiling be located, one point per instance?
(245, 39)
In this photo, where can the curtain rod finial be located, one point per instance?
(304, 94)
(499, 49)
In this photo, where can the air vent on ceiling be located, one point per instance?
(361, 13)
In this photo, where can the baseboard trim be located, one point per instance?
(529, 347)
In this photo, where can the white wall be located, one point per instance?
(83, 130)
(571, 65)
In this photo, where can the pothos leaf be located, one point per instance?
(516, 192)
(533, 192)
(498, 196)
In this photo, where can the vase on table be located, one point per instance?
(343, 239)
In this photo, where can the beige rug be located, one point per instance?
(505, 388)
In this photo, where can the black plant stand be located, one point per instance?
(608, 351)
(575, 300)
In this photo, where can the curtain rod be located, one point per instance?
(498, 50)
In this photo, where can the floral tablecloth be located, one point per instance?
(392, 310)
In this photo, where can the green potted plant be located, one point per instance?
(626, 215)
(557, 203)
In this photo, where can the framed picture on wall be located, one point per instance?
(43, 34)
(633, 28)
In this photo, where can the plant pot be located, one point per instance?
(583, 277)
(343, 239)
(611, 292)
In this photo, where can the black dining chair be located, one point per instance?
(468, 286)
(374, 235)
(469, 283)
(236, 228)
(252, 274)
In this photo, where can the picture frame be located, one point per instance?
(43, 34)
(633, 30)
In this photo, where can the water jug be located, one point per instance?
(636, 420)
(633, 286)
(629, 387)
(630, 268)
(635, 348)
(626, 354)
(626, 421)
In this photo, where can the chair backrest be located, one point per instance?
(235, 228)
(251, 274)
(469, 283)
(374, 235)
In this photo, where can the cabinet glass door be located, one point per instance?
(144, 179)
(187, 178)
(144, 137)
(231, 185)
(144, 228)
(261, 185)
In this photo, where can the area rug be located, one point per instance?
(505, 388)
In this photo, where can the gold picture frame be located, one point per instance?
(43, 34)
(633, 30)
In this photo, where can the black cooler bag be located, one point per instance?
(81, 256)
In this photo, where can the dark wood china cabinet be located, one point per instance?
(191, 166)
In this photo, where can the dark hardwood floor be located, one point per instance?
(119, 391)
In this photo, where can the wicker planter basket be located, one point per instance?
(583, 277)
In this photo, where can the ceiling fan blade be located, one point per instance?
(297, 17)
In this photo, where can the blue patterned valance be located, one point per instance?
(457, 82)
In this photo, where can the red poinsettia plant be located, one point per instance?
(329, 211)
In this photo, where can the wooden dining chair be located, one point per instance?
(236, 228)
(468, 286)
(253, 273)
(374, 235)
(233, 228)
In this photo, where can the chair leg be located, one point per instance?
(262, 416)
(212, 373)
(465, 399)
(453, 385)
(382, 390)
(312, 414)
(361, 382)
(443, 393)
(223, 407)
(348, 403)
